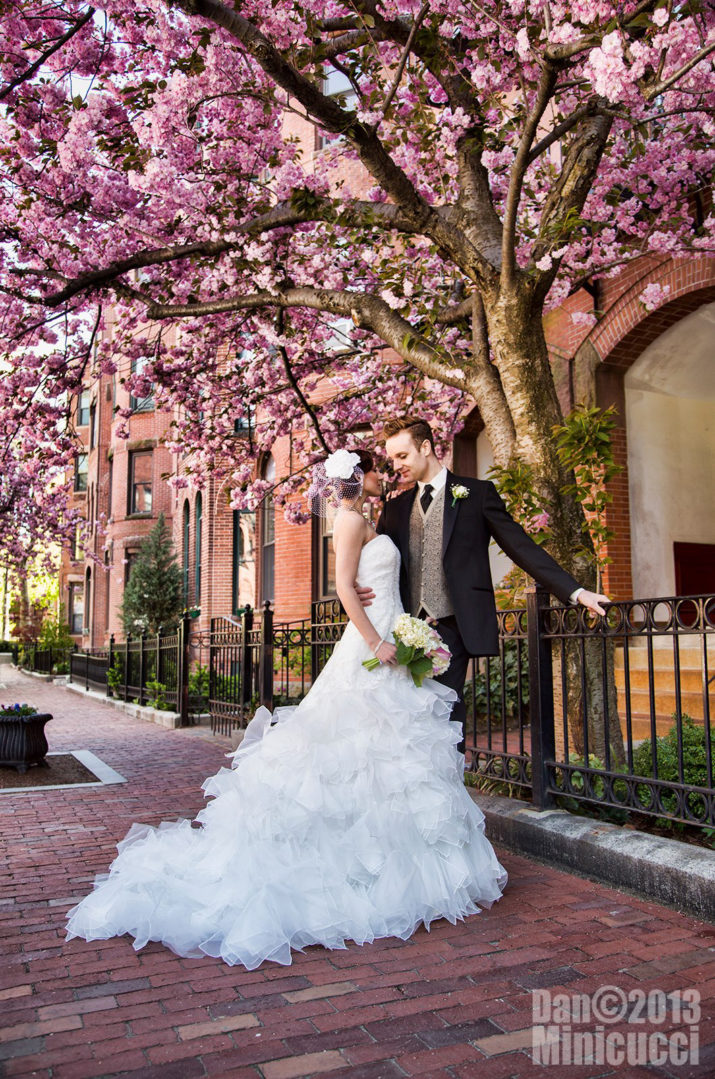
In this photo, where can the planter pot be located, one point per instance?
(23, 741)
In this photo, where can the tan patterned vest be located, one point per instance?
(428, 585)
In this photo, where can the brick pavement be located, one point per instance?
(454, 1003)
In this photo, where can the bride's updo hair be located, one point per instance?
(337, 480)
(367, 462)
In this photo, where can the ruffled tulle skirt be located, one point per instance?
(342, 819)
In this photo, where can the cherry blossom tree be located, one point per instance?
(481, 160)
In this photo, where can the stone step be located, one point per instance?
(640, 724)
(664, 681)
(691, 657)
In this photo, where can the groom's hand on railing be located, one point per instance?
(593, 601)
(365, 595)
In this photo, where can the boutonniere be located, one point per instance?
(459, 491)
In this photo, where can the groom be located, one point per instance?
(442, 527)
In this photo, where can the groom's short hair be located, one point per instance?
(419, 430)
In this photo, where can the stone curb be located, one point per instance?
(172, 720)
(653, 867)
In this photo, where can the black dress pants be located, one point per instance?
(456, 674)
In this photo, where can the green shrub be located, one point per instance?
(695, 770)
(115, 678)
(199, 683)
(157, 696)
(476, 700)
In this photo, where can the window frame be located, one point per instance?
(185, 550)
(140, 404)
(83, 407)
(323, 139)
(131, 486)
(76, 588)
(81, 473)
(198, 515)
(268, 528)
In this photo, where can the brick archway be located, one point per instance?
(613, 345)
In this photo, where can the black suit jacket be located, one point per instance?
(468, 526)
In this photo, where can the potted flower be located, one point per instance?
(22, 736)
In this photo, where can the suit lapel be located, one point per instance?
(403, 526)
(449, 516)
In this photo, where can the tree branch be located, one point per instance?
(447, 316)
(367, 215)
(661, 87)
(34, 67)
(308, 408)
(367, 311)
(561, 129)
(547, 83)
(403, 60)
(484, 384)
(568, 195)
(372, 153)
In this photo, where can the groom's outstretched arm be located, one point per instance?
(521, 548)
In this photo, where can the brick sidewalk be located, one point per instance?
(455, 1002)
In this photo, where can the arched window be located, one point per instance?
(197, 549)
(87, 600)
(268, 535)
(185, 552)
(243, 578)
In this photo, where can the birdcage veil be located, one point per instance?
(337, 482)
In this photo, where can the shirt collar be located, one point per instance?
(436, 483)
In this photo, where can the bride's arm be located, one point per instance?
(348, 535)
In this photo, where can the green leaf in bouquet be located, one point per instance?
(419, 669)
(405, 653)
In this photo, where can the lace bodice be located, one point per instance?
(379, 569)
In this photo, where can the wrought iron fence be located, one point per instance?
(574, 709)
(32, 657)
(644, 673)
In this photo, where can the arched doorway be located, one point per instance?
(670, 424)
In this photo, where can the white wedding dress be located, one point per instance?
(345, 820)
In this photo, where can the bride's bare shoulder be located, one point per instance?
(349, 528)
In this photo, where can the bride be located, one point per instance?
(343, 818)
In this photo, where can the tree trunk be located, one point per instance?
(521, 357)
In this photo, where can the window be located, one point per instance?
(75, 547)
(110, 483)
(87, 600)
(335, 84)
(340, 340)
(243, 576)
(130, 556)
(327, 556)
(185, 551)
(197, 550)
(83, 409)
(76, 607)
(81, 472)
(268, 536)
(140, 469)
(93, 425)
(140, 404)
(246, 422)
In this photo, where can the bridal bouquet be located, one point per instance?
(419, 648)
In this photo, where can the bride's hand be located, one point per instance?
(387, 654)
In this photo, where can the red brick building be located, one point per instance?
(655, 366)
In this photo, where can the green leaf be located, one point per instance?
(405, 653)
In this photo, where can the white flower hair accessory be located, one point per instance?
(459, 491)
(336, 482)
(341, 464)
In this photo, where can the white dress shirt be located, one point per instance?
(437, 483)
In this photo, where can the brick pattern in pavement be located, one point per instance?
(454, 1003)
